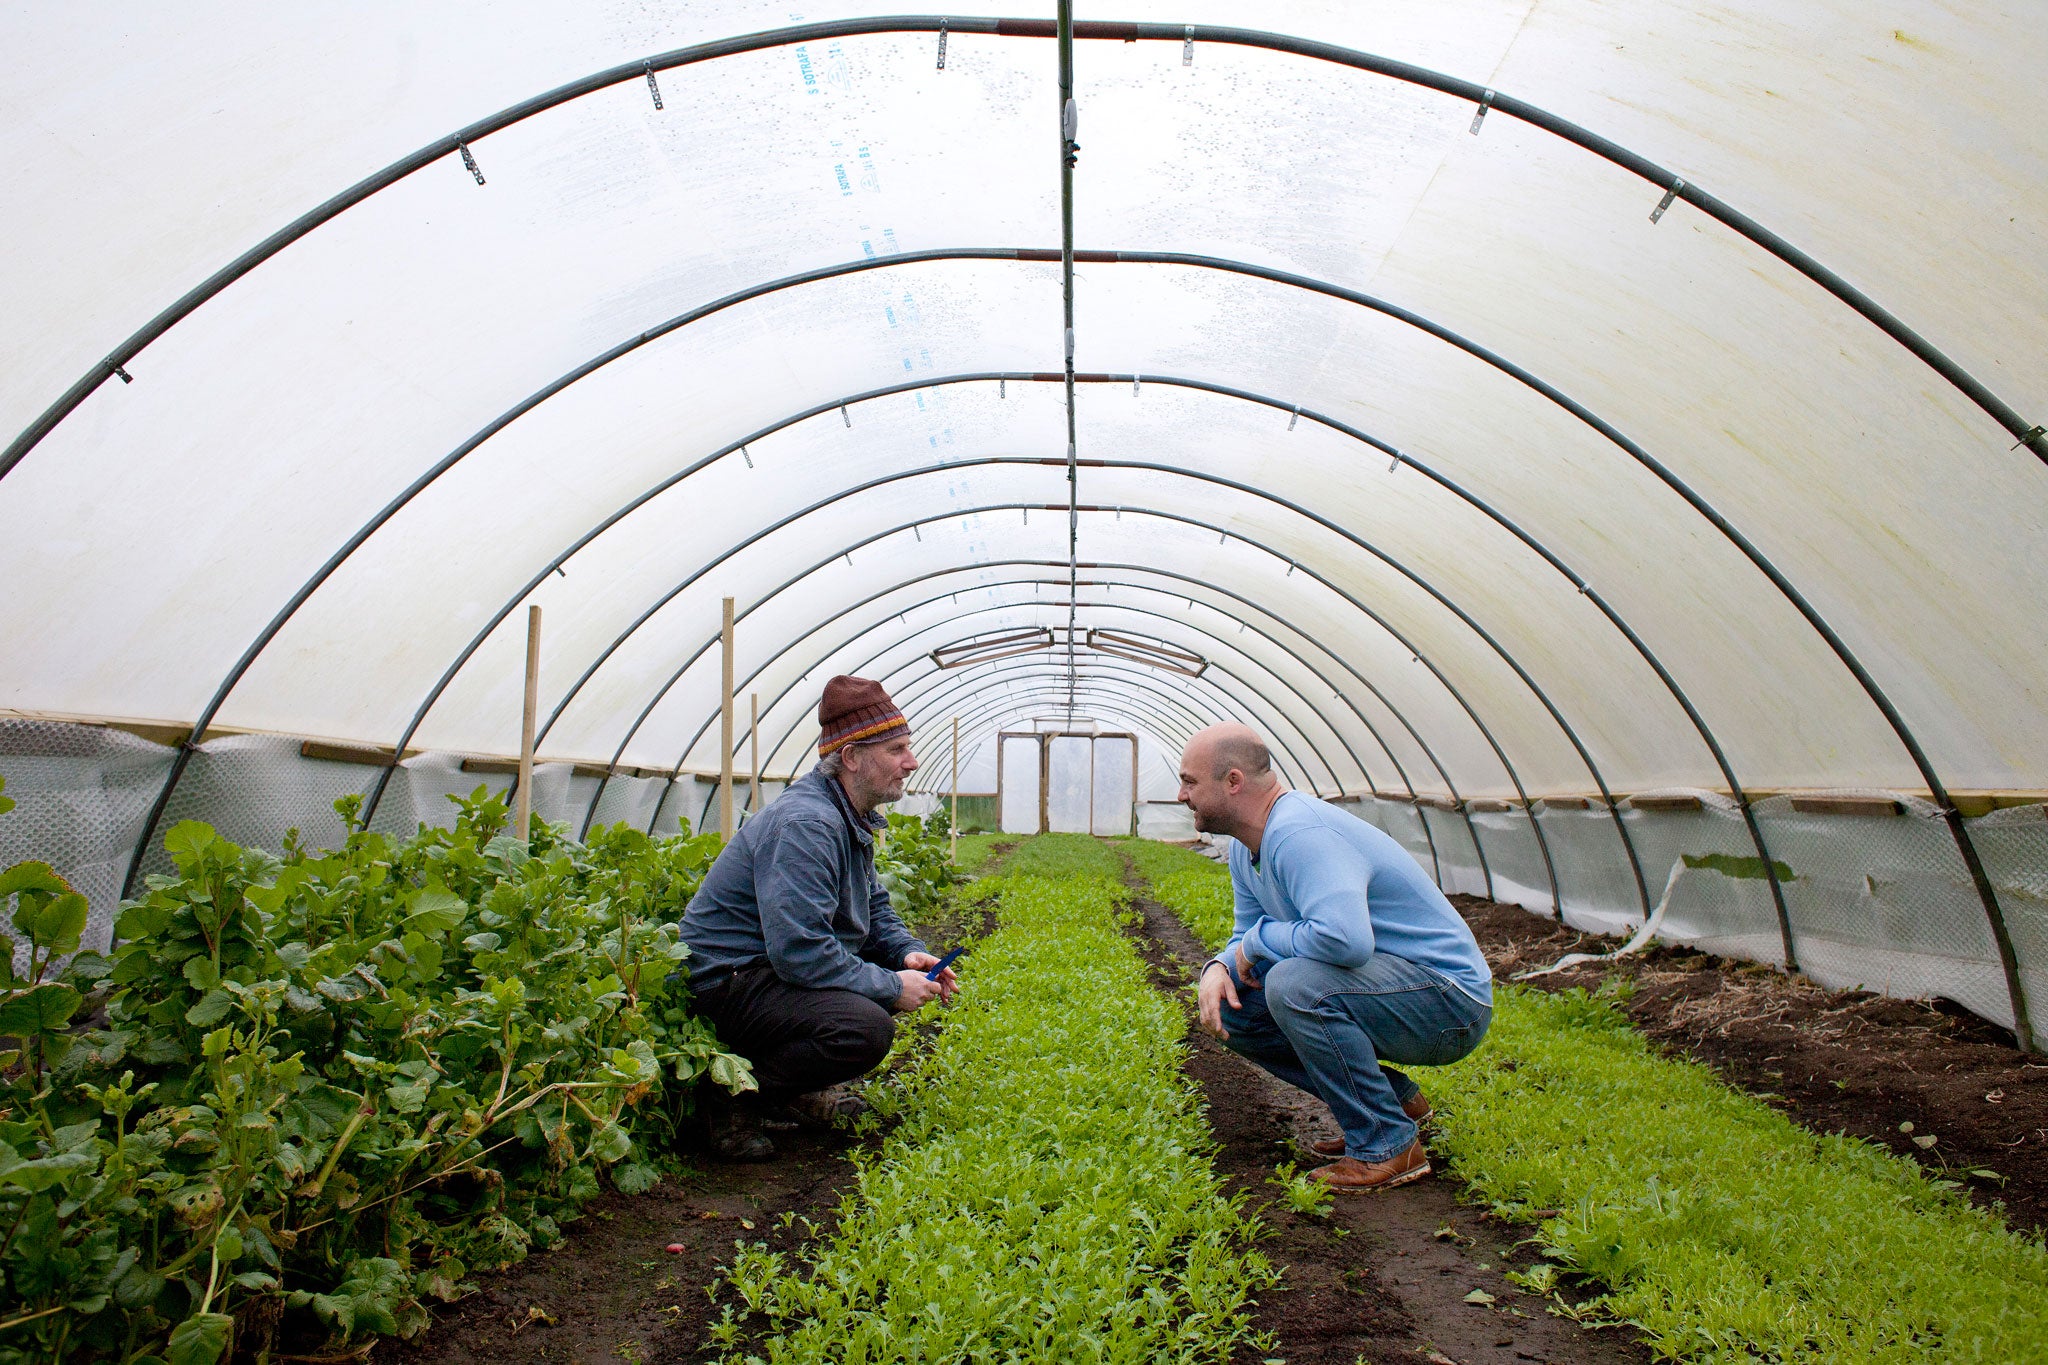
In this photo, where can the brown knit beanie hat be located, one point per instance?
(855, 711)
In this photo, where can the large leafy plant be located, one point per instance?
(309, 1093)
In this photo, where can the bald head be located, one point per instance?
(1227, 780)
(1223, 747)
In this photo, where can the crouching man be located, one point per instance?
(797, 957)
(1344, 959)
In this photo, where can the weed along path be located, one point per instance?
(1411, 1274)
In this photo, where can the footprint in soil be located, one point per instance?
(1408, 1274)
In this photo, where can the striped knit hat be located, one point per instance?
(856, 711)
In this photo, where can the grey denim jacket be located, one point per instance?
(796, 889)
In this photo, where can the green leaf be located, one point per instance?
(201, 973)
(36, 878)
(610, 1143)
(39, 1175)
(38, 1010)
(733, 1072)
(211, 1009)
(59, 925)
(435, 911)
(200, 1339)
(228, 1246)
(188, 839)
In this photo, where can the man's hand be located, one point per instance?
(949, 985)
(916, 991)
(1244, 969)
(1216, 987)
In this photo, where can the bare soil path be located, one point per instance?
(1385, 1277)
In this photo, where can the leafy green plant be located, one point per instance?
(1302, 1193)
(314, 1092)
(1720, 1227)
(1047, 1193)
(912, 859)
(1194, 888)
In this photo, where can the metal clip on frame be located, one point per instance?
(942, 45)
(1670, 195)
(652, 88)
(469, 162)
(1479, 114)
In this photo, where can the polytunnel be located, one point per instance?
(1600, 446)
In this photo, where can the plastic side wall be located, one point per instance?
(1879, 902)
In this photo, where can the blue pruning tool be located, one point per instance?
(944, 962)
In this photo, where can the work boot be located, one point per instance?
(733, 1132)
(833, 1107)
(1348, 1175)
(1416, 1107)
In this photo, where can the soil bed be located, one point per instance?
(612, 1292)
(1834, 1061)
(1385, 1276)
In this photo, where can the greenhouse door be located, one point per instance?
(1068, 782)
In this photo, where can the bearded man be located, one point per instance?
(797, 958)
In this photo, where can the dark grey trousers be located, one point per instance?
(798, 1039)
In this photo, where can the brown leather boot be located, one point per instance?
(1347, 1175)
(1416, 1107)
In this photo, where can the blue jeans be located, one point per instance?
(1332, 1031)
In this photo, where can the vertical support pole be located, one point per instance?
(954, 854)
(725, 723)
(522, 819)
(1134, 786)
(1091, 788)
(754, 752)
(1044, 785)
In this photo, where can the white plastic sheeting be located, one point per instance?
(1467, 476)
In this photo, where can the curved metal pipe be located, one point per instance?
(1415, 650)
(2029, 434)
(1098, 567)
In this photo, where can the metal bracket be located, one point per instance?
(942, 44)
(844, 417)
(1134, 388)
(1293, 417)
(745, 456)
(2033, 434)
(1479, 115)
(1394, 464)
(1670, 195)
(127, 378)
(652, 88)
(1187, 48)
(469, 162)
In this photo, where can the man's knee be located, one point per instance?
(862, 1032)
(1291, 984)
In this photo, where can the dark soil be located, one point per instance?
(612, 1292)
(1384, 1276)
(1834, 1061)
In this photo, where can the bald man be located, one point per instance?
(1344, 959)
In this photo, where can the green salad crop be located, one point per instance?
(307, 1094)
(1721, 1228)
(1194, 888)
(1047, 1195)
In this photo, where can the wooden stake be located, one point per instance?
(954, 855)
(522, 820)
(725, 724)
(1091, 788)
(754, 748)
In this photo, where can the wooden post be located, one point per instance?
(725, 724)
(754, 750)
(1134, 786)
(1044, 785)
(954, 854)
(1091, 788)
(522, 819)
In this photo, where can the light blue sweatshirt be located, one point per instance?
(1329, 887)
